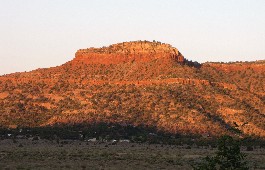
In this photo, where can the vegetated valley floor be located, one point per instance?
(45, 154)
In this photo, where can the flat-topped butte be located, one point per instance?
(139, 51)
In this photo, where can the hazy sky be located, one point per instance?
(44, 33)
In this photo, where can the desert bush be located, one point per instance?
(227, 157)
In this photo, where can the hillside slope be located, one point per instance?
(141, 83)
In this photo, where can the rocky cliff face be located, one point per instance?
(137, 51)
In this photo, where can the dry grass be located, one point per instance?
(43, 154)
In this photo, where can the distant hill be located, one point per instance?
(141, 83)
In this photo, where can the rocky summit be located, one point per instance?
(140, 84)
(137, 51)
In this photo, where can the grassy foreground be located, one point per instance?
(45, 154)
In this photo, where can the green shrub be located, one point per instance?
(228, 157)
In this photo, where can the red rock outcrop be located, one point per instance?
(240, 66)
(136, 51)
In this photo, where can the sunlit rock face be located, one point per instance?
(136, 51)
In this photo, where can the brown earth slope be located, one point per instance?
(139, 83)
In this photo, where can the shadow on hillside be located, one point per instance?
(106, 132)
(194, 64)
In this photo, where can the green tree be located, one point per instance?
(228, 157)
